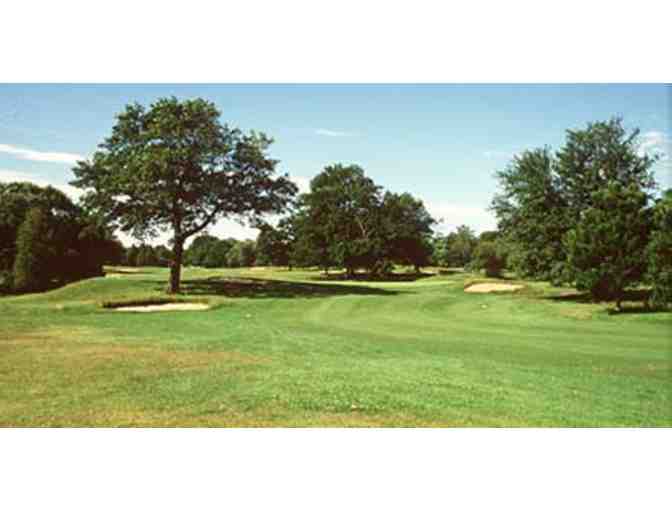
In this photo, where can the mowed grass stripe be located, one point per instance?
(317, 353)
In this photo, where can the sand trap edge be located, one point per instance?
(162, 307)
(486, 288)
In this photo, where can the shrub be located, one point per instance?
(487, 256)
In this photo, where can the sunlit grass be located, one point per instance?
(291, 348)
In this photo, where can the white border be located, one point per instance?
(329, 41)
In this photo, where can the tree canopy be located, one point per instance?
(174, 166)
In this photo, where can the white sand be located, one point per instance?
(165, 307)
(483, 288)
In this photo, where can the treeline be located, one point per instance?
(588, 215)
(46, 240)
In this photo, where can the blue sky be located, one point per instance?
(440, 142)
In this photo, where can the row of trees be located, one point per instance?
(588, 214)
(47, 240)
(349, 222)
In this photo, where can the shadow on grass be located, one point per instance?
(633, 302)
(260, 288)
(365, 277)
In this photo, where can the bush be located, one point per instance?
(487, 256)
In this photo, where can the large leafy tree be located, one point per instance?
(532, 214)
(408, 229)
(543, 196)
(341, 214)
(597, 156)
(174, 166)
(606, 248)
(659, 253)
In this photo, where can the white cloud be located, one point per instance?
(14, 176)
(302, 182)
(656, 142)
(333, 133)
(48, 157)
(454, 215)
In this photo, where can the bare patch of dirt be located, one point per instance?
(485, 288)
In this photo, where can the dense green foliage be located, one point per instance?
(33, 253)
(241, 254)
(285, 348)
(550, 207)
(488, 256)
(455, 249)
(175, 167)
(606, 248)
(532, 214)
(273, 245)
(659, 253)
(59, 242)
(208, 251)
(346, 221)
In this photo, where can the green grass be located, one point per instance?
(283, 348)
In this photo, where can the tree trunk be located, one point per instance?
(176, 267)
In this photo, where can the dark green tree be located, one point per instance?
(32, 265)
(197, 252)
(606, 249)
(659, 253)
(217, 252)
(532, 214)
(272, 246)
(407, 230)
(542, 197)
(175, 167)
(342, 214)
(599, 155)
(16, 199)
(487, 256)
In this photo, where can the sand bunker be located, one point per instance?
(164, 307)
(483, 288)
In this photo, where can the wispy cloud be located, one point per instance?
(656, 143)
(333, 133)
(14, 176)
(33, 155)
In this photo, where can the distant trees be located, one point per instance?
(273, 245)
(175, 166)
(455, 249)
(488, 256)
(47, 240)
(346, 221)
(582, 215)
